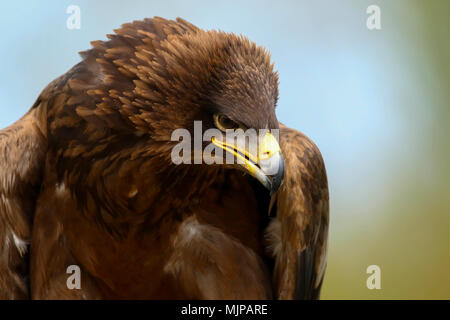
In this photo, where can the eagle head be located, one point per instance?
(154, 77)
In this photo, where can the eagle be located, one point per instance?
(87, 177)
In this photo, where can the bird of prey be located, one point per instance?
(87, 178)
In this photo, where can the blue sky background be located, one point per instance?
(375, 102)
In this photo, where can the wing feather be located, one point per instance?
(302, 214)
(22, 149)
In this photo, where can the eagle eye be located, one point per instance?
(224, 123)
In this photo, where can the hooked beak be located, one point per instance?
(267, 166)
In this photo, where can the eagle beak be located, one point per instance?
(267, 167)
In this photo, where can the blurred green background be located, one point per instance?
(375, 102)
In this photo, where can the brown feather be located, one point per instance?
(22, 150)
(302, 212)
(90, 166)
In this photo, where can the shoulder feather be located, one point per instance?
(22, 151)
(302, 213)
